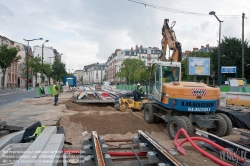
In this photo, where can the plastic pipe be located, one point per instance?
(182, 151)
(238, 158)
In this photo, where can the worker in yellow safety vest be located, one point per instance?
(55, 92)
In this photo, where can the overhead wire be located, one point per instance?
(176, 10)
(222, 32)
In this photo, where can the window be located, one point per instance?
(158, 78)
(170, 73)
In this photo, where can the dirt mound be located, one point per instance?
(114, 124)
(86, 107)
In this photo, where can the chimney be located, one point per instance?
(202, 47)
(136, 47)
(207, 45)
(195, 49)
(141, 47)
(131, 48)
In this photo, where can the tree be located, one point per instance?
(7, 56)
(133, 70)
(231, 55)
(35, 64)
(47, 71)
(58, 70)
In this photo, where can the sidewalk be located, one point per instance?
(12, 90)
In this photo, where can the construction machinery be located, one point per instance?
(180, 104)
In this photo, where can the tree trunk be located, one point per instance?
(4, 72)
(49, 80)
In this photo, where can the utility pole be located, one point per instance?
(243, 43)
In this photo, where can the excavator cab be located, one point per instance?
(163, 73)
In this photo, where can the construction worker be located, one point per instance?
(42, 90)
(138, 92)
(167, 75)
(55, 92)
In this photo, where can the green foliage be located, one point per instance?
(7, 56)
(47, 71)
(133, 70)
(231, 55)
(58, 69)
(35, 64)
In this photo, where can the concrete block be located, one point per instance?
(51, 152)
(30, 155)
(143, 147)
(87, 149)
(223, 99)
(104, 148)
(86, 141)
(11, 153)
(87, 161)
(136, 140)
(108, 160)
(101, 140)
(152, 158)
(11, 138)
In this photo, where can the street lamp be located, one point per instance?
(42, 58)
(27, 57)
(213, 13)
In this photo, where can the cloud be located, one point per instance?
(89, 31)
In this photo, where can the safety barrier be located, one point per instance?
(238, 98)
(37, 91)
(235, 89)
(129, 87)
(49, 90)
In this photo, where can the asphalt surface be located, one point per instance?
(11, 96)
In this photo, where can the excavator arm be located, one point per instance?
(169, 39)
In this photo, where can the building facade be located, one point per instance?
(94, 73)
(49, 55)
(79, 76)
(12, 76)
(114, 62)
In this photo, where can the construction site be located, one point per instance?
(94, 131)
(167, 122)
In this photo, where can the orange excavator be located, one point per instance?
(180, 104)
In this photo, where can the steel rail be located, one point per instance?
(98, 155)
(162, 153)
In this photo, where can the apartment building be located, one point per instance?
(79, 76)
(94, 73)
(147, 55)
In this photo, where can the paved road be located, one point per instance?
(11, 96)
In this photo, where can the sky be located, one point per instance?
(89, 31)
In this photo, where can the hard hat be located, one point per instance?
(165, 68)
(138, 84)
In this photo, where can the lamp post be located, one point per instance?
(42, 59)
(27, 57)
(213, 13)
